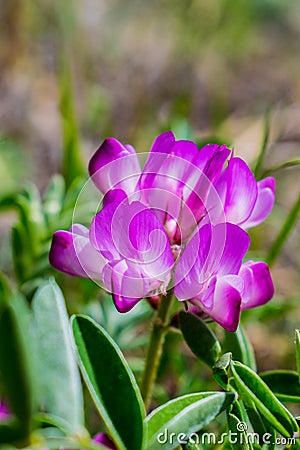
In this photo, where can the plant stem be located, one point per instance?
(154, 351)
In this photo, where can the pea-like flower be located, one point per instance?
(210, 274)
(184, 185)
(178, 223)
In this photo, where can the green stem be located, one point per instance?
(157, 337)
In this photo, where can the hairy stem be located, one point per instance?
(154, 351)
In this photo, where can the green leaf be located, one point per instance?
(11, 432)
(53, 199)
(284, 384)
(284, 233)
(14, 368)
(72, 164)
(110, 382)
(239, 345)
(220, 369)
(199, 338)
(238, 428)
(32, 217)
(284, 165)
(264, 144)
(8, 201)
(20, 251)
(186, 414)
(297, 342)
(4, 291)
(191, 446)
(58, 381)
(259, 424)
(252, 388)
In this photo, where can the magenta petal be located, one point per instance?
(136, 246)
(264, 203)
(258, 283)
(132, 232)
(227, 303)
(235, 247)
(72, 253)
(101, 232)
(189, 280)
(241, 191)
(205, 299)
(114, 166)
(5, 413)
(214, 156)
(213, 251)
(163, 143)
(169, 165)
(103, 439)
(114, 195)
(126, 284)
(208, 251)
(124, 304)
(149, 238)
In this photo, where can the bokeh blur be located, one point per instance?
(219, 70)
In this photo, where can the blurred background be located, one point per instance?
(74, 72)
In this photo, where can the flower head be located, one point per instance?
(178, 222)
(136, 249)
(210, 274)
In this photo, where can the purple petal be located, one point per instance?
(150, 239)
(114, 166)
(163, 143)
(264, 203)
(223, 295)
(213, 250)
(238, 187)
(101, 232)
(113, 196)
(72, 253)
(205, 299)
(227, 303)
(5, 412)
(167, 170)
(235, 247)
(258, 283)
(102, 438)
(126, 284)
(137, 248)
(212, 159)
(189, 278)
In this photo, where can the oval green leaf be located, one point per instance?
(239, 345)
(252, 388)
(58, 382)
(284, 384)
(185, 415)
(238, 429)
(220, 369)
(111, 383)
(260, 425)
(15, 373)
(199, 338)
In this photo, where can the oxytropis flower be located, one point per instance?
(210, 274)
(178, 222)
